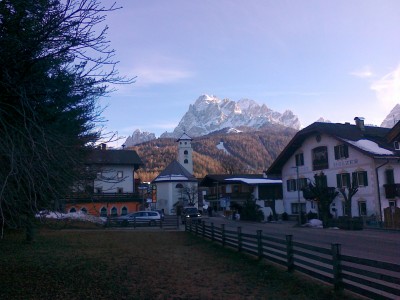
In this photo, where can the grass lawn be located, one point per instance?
(105, 264)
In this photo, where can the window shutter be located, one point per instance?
(336, 149)
(287, 185)
(338, 177)
(346, 151)
(354, 179)
(365, 178)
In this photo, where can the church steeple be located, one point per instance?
(185, 152)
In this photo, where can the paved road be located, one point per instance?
(368, 243)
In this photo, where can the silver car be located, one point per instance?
(139, 217)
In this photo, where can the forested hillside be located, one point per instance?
(250, 152)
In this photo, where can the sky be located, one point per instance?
(331, 59)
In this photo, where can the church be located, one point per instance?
(176, 185)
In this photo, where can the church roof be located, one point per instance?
(184, 136)
(174, 172)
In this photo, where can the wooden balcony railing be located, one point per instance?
(104, 197)
(232, 196)
(392, 190)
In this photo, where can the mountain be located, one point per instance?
(138, 137)
(392, 118)
(209, 114)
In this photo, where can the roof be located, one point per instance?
(115, 157)
(250, 179)
(371, 140)
(175, 172)
(183, 137)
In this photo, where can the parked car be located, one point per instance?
(190, 213)
(161, 212)
(139, 217)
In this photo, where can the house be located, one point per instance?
(345, 155)
(226, 191)
(176, 186)
(110, 188)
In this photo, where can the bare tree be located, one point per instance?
(55, 64)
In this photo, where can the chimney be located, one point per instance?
(103, 146)
(360, 123)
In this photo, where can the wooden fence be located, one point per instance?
(369, 278)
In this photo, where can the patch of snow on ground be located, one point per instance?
(315, 223)
(221, 146)
(81, 216)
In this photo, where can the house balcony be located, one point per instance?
(392, 190)
(103, 197)
(232, 196)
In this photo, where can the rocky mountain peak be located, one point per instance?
(209, 114)
(138, 137)
(392, 118)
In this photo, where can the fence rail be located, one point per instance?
(369, 278)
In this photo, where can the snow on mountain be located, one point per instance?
(321, 119)
(392, 118)
(138, 137)
(209, 114)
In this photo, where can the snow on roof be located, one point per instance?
(370, 146)
(255, 180)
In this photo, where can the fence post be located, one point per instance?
(259, 244)
(204, 228)
(212, 232)
(177, 222)
(223, 234)
(239, 238)
(289, 253)
(337, 267)
(134, 222)
(197, 228)
(190, 226)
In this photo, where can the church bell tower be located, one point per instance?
(185, 152)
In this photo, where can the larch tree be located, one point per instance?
(55, 64)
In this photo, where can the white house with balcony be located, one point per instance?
(346, 154)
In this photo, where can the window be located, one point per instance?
(396, 145)
(302, 183)
(295, 208)
(185, 161)
(120, 190)
(72, 210)
(360, 178)
(84, 210)
(120, 174)
(291, 185)
(98, 190)
(389, 175)
(179, 186)
(320, 158)
(185, 152)
(124, 211)
(343, 180)
(103, 212)
(114, 211)
(341, 151)
(236, 189)
(362, 208)
(299, 159)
